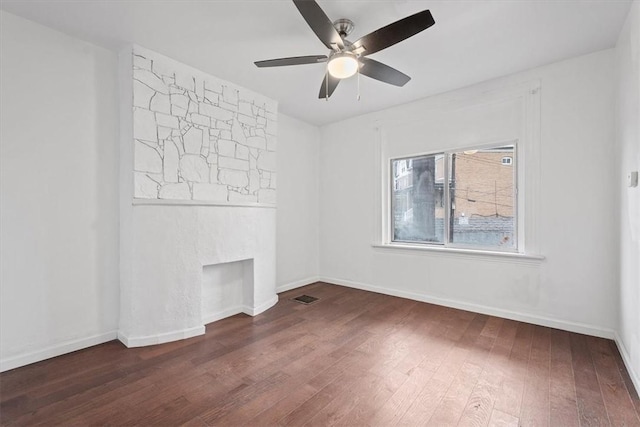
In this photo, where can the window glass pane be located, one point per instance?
(483, 194)
(417, 198)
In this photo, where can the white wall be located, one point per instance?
(297, 239)
(59, 181)
(573, 288)
(628, 141)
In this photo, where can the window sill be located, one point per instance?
(459, 252)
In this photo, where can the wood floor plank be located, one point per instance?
(591, 407)
(479, 408)
(425, 404)
(500, 419)
(617, 400)
(492, 327)
(363, 387)
(535, 399)
(450, 409)
(352, 358)
(402, 399)
(316, 360)
(242, 396)
(562, 391)
(62, 410)
(423, 341)
(509, 399)
(456, 353)
(283, 407)
(262, 402)
(194, 422)
(339, 384)
(363, 412)
(633, 393)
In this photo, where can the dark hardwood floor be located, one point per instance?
(352, 358)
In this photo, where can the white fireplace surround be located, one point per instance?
(210, 202)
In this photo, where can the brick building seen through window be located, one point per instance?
(482, 194)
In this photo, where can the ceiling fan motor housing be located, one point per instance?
(344, 26)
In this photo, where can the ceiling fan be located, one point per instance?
(346, 58)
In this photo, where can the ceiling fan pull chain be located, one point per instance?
(326, 83)
(358, 82)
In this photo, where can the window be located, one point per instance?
(464, 198)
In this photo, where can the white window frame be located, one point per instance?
(517, 248)
(527, 98)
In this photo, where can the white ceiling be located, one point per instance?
(472, 41)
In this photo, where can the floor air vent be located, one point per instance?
(305, 299)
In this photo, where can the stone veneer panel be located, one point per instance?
(199, 138)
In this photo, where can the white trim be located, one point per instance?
(459, 252)
(167, 202)
(529, 164)
(381, 195)
(535, 319)
(297, 284)
(626, 358)
(254, 311)
(198, 330)
(56, 350)
(214, 317)
(160, 338)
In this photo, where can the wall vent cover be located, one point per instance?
(305, 299)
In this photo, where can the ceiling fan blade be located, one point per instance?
(319, 23)
(394, 33)
(333, 84)
(384, 73)
(294, 60)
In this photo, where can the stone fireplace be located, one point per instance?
(198, 197)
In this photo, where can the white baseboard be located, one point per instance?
(251, 311)
(214, 317)
(160, 338)
(297, 284)
(254, 311)
(626, 358)
(580, 328)
(55, 350)
(198, 330)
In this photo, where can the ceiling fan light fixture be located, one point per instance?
(343, 65)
